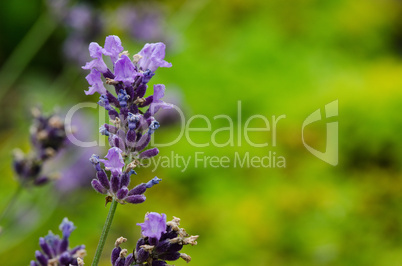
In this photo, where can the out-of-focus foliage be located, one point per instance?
(276, 57)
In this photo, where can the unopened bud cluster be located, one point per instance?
(56, 251)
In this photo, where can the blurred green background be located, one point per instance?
(276, 57)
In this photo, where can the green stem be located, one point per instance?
(10, 203)
(105, 232)
(25, 51)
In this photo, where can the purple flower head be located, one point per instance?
(48, 136)
(114, 162)
(152, 57)
(113, 47)
(66, 227)
(154, 225)
(166, 245)
(125, 70)
(95, 51)
(157, 103)
(56, 250)
(79, 16)
(94, 79)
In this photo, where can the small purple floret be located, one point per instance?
(154, 225)
(113, 47)
(125, 70)
(114, 162)
(94, 79)
(95, 51)
(152, 57)
(67, 227)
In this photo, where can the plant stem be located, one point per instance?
(105, 232)
(10, 203)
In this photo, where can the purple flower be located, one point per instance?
(79, 16)
(154, 225)
(152, 57)
(154, 181)
(113, 47)
(162, 246)
(95, 51)
(67, 228)
(56, 251)
(125, 70)
(157, 103)
(94, 79)
(115, 162)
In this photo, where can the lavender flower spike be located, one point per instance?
(152, 57)
(114, 162)
(154, 225)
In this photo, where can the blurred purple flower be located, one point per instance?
(79, 16)
(148, 20)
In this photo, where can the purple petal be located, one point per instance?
(129, 259)
(135, 199)
(115, 255)
(113, 47)
(157, 103)
(94, 79)
(154, 181)
(152, 57)
(95, 51)
(67, 227)
(115, 162)
(102, 177)
(45, 247)
(138, 190)
(122, 193)
(41, 258)
(154, 225)
(115, 183)
(98, 187)
(159, 91)
(149, 153)
(125, 70)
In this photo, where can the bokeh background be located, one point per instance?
(277, 58)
